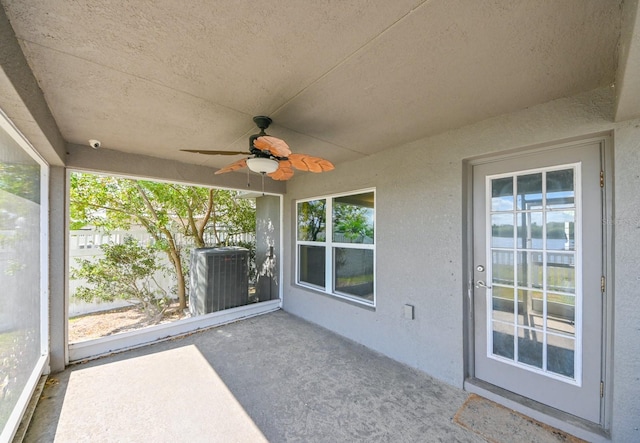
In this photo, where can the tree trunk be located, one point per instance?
(173, 252)
(174, 256)
(182, 296)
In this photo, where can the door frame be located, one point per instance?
(521, 404)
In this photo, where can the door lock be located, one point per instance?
(480, 268)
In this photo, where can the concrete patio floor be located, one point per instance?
(270, 378)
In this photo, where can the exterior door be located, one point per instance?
(537, 274)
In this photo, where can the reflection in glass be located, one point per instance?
(502, 301)
(503, 340)
(502, 230)
(560, 189)
(354, 272)
(502, 267)
(502, 194)
(311, 220)
(560, 355)
(312, 265)
(353, 218)
(529, 269)
(561, 313)
(529, 230)
(541, 251)
(529, 188)
(561, 272)
(561, 230)
(530, 308)
(530, 347)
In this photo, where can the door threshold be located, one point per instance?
(545, 414)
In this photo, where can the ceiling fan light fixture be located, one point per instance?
(262, 165)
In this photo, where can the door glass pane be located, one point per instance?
(502, 299)
(354, 272)
(543, 313)
(502, 267)
(502, 194)
(530, 269)
(561, 273)
(561, 230)
(503, 345)
(560, 355)
(529, 230)
(529, 189)
(561, 313)
(312, 265)
(311, 220)
(502, 230)
(560, 190)
(530, 347)
(530, 308)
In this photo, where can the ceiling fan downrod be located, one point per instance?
(262, 122)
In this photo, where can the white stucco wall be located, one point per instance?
(419, 235)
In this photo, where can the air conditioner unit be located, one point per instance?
(219, 279)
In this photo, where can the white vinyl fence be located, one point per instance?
(85, 244)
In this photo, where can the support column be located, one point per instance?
(57, 269)
(268, 247)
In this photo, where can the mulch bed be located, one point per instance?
(102, 324)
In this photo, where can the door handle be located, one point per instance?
(481, 284)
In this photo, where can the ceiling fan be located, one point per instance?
(270, 156)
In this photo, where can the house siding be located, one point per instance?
(419, 241)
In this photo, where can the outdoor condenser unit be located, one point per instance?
(219, 279)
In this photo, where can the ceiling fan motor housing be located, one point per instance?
(262, 122)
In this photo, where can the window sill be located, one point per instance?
(338, 297)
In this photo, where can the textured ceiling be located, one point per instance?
(341, 79)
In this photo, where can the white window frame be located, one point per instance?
(330, 245)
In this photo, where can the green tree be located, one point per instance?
(125, 272)
(169, 212)
(311, 220)
(353, 221)
(21, 179)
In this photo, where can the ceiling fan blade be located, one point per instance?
(310, 163)
(233, 166)
(200, 151)
(284, 171)
(275, 146)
